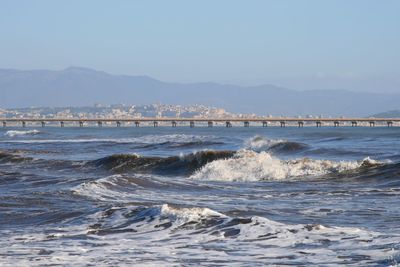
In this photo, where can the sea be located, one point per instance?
(146, 196)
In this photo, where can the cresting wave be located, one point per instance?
(174, 218)
(174, 165)
(14, 133)
(243, 165)
(260, 143)
(248, 165)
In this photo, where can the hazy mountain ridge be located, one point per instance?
(77, 86)
(387, 114)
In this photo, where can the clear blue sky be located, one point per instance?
(309, 44)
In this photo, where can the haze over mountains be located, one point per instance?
(82, 86)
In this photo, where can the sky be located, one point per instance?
(303, 44)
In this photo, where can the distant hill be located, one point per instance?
(81, 87)
(387, 114)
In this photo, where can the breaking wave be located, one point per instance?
(248, 165)
(214, 223)
(171, 235)
(157, 230)
(14, 133)
(184, 164)
(260, 143)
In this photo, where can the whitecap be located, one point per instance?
(248, 165)
(13, 133)
(198, 234)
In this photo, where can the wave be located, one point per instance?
(179, 145)
(188, 229)
(243, 165)
(19, 159)
(14, 133)
(193, 218)
(174, 165)
(8, 157)
(338, 152)
(260, 143)
(147, 141)
(248, 165)
(171, 235)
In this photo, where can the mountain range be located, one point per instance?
(75, 86)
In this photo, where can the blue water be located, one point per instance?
(200, 196)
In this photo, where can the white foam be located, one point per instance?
(259, 143)
(187, 214)
(166, 235)
(14, 133)
(121, 188)
(100, 189)
(252, 166)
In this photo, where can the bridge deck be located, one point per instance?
(275, 119)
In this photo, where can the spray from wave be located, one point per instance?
(248, 165)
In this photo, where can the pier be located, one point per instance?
(210, 122)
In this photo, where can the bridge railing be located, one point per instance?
(210, 122)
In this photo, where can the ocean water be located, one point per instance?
(200, 196)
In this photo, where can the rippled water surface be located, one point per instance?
(200, 196)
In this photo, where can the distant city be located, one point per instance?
(158, 110)
(122, 111)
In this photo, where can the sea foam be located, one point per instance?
(248, 165)
(168, 235)
(14, 133)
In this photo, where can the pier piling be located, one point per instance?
(210, 122)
